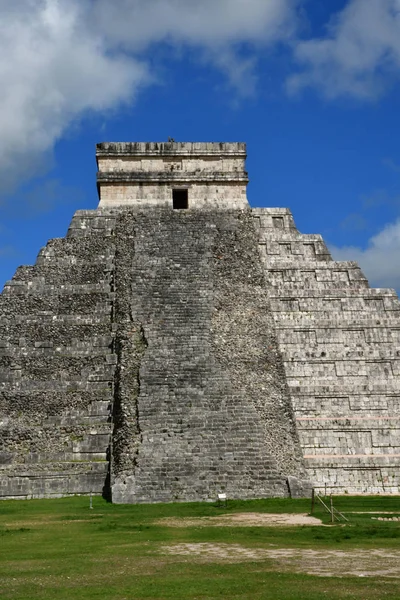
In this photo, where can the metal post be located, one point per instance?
(312, 500)
(332, 516)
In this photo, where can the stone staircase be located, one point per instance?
(190, 431)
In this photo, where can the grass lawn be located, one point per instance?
(61, 549)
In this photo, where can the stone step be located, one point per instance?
(61, 461)
(62, 368)
(88, 222)
(79, 420)
(97, 347)
(39, 288)
(317, 368)
(341, 406)
(375, 306)
(314, 274)
(388, 295)
(327, 320)
(384, 431)
(334, 386)
(348, 386)
(72, 385)
(272, 235)
(302, 248)
(38, 333)
(277, 219)
(51, 485)
(274, 260)
(80, 301)
(358, 462)
(311, 286)
(341, 351)
(24, 273)
(92, 247)
(291, 268)
(59, 405)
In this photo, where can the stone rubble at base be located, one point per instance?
(159, 355)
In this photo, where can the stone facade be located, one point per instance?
(145, 174)
(158, 355)
(340, 345)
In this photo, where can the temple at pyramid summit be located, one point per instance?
(177, 344)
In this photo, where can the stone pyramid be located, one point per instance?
(177, 344)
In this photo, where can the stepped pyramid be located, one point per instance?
(177, 344)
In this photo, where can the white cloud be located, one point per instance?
(62, 58)
(207, 22)
(359, 57)
(380, 261)
(215, 27)
(52, 71)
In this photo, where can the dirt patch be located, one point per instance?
(217, 552)
(243, 520)
(323, 563)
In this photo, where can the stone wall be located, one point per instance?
(227, 195)
(340, 342)
(145, 174)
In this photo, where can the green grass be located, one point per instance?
(59, 549)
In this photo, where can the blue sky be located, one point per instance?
(312, 87)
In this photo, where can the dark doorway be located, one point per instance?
(180, 199)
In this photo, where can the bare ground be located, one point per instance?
(324, 563)
(243, 520)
